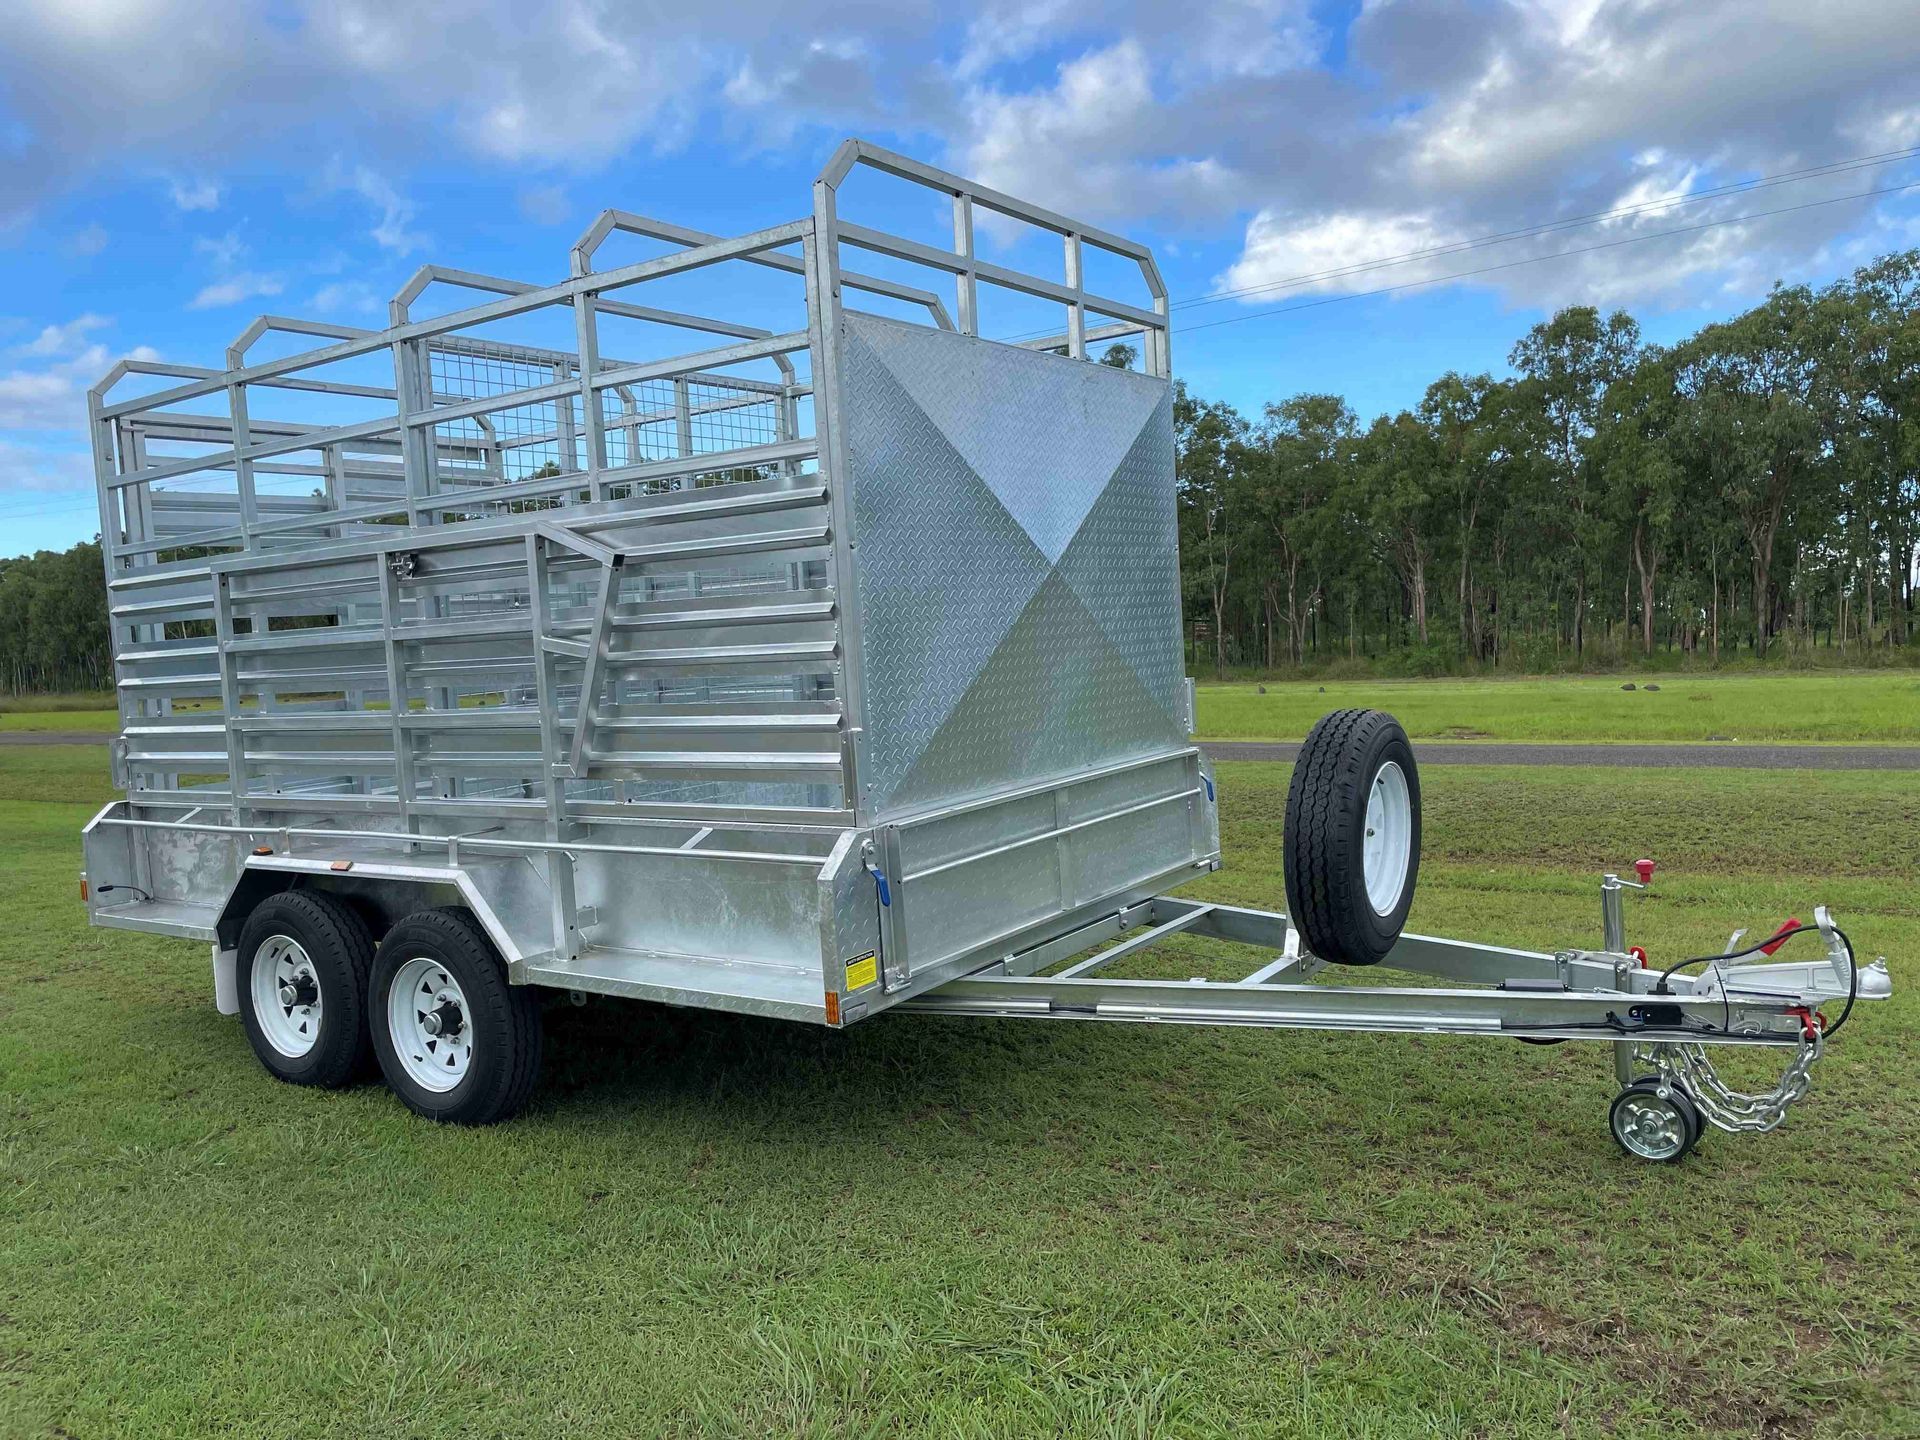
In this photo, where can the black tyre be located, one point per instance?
(1351, 849)
(302, 969)
(1651, 1126)
(455, 1041)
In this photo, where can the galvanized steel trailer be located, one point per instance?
(804, 670)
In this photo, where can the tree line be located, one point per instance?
(1758, 483)
(53, 621)
(1754, 485)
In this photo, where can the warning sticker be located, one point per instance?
(863, 970)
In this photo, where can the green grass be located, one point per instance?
(1869, 706)
(65, 700)
(1859, 707)
(714, 1226)
(104, 721)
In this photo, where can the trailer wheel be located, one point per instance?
(1351, 849)
(302, 975)
(455, 1041)
(1652, 1126)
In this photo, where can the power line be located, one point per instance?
(1555, 255)
(1764, 182)
(88, 504)
(1829, 168)
(1833, 167)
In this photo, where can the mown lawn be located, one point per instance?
(1864, 707)
(106, 722)
(709, 1226)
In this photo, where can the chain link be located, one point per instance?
(1689, 1066)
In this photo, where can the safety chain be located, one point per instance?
(1688, 1066)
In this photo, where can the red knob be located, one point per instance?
(1644, 869)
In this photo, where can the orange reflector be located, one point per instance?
(833, 1008)
(263, 849)
(83, 890)
(341, 865)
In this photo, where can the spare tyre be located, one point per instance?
(1351, 849)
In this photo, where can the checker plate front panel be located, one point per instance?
(1018, 564)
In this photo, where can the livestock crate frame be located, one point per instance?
(914, 734)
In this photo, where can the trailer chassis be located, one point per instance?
(1660, 1027)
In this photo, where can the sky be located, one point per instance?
(169, 169)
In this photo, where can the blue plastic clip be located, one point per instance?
(880, 884)
(1207, 780)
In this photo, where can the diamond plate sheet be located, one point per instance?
(1124, 564)
(1018, 566)
(1055, 698)
(945, 570)
(1044, 441)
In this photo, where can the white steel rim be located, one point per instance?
(1649, 1126)
(430, 1024)
(1388, 850)
(286, 996)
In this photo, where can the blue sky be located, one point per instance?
(169, 170)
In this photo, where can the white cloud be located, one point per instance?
(1447, 123)
(393, 231)
(63, 339)
(246, 285)
(1212, 115)
(40, 399)
(344, 296)
(1289, 255)
(195, 194)
(1091, 139)
(53, 467)
(48, 391)
(226, 251)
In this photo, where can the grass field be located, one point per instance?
(712, 1226)
(1868, 707)
(1861, 707)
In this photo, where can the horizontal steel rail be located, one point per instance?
(456, 843)
(1569, 1015)
(564, 292)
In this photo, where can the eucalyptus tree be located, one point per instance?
(1882, 308)
(1751, 425)
(1296, 459)
(1640, 473)
(1209, 437)
(1395, 468)
(1568, 362)
(1469, 420)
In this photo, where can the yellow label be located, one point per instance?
(863, 970)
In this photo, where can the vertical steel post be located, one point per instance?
(967, 299)
(682, 427)
(112, 504)
(544, 685)
(1613, 939)
(587, 331)
(230, 696)
(1077, 311)
(397, 707)
(418, 447)
(821, 258)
